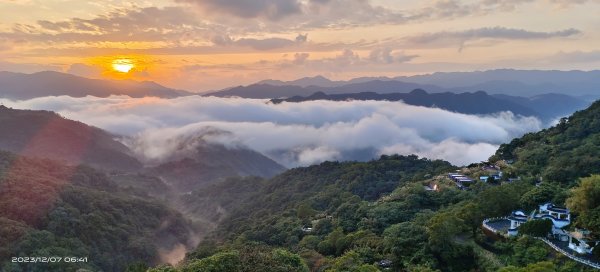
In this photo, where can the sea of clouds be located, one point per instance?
(293, 134)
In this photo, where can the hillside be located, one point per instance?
(562, 153)
(49, 135)
(49, 209)
(351, 216)
(210, 162)
(48, 83)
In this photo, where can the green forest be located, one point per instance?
(380, 215)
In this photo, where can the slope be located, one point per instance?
(50, 209)
(48, 135)
(562, 153)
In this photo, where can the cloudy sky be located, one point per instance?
(201, 45)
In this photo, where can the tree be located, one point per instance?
(471, 215)
(220, 262)
(499, 200)
(407, 242)
(585, 201)
(305, 211)
(351, 261)
(536, 228)
(539, 194)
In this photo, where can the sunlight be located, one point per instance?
(122, 65)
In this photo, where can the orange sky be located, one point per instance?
(201, 45)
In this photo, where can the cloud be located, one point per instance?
(260, 44)
(387, 55)
(576, 56)
(151, 24)
(268, 9)
(294, 133)
(300, 58)
(570, 3)
(446, 38)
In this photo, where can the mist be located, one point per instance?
(293, 134)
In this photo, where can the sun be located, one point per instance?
(122, 65)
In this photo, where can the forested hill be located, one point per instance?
(328, 188)
(48, 135)
(50, 209)
(562, 153)
(352, 216)
(386, 213)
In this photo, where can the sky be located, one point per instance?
(202, 45)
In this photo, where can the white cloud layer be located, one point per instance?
(294, 133)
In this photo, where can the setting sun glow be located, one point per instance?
(122, 65)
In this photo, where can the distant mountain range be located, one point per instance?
(547, 106)
(505, 81)
(48, 83)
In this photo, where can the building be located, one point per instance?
(516, 219)
(460, 179)
(581, 242)
(561, 217)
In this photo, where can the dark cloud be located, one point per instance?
(268, 44)
(269, 9)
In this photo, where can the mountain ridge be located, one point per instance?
(50, 83)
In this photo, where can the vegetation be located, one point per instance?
(335, 216)
(352, 216)
(49, 209)
(560, 154)
(536, 228)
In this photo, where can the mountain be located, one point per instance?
(547, 107)
(524, 83)
(207, 163)
(263, 91)
(49, 83)
(469, 103)
(51, 209)
(304, 82)
(562, 153)
(515, 82)
(48, 135)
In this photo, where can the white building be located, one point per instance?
(580, 241)
(561, 217)
(516, 219)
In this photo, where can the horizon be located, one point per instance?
(210, 45)
(262, 81)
